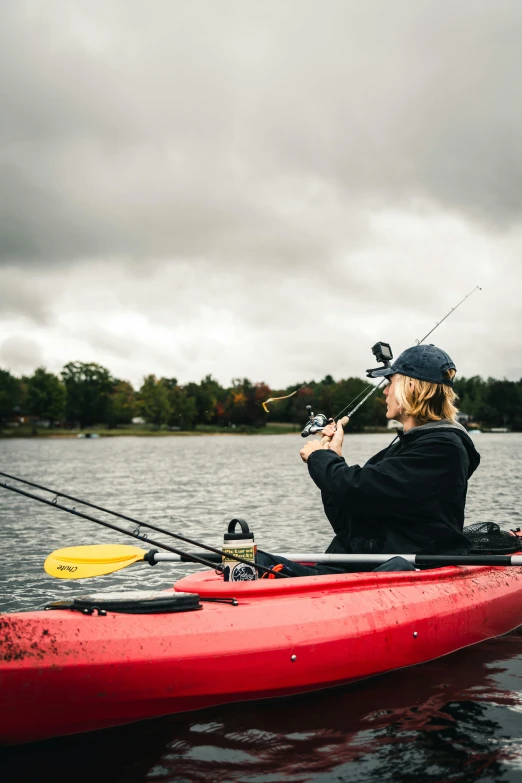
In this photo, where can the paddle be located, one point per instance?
(80, 562)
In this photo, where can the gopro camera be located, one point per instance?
(383, 353)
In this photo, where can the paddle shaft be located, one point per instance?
(435, 560)
(192, 557)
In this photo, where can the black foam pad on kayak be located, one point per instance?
(131, 602)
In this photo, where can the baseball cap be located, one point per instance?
(424, 362)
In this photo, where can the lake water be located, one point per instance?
(455, 719)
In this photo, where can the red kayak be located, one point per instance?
(64, 672)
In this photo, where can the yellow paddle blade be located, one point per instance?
(80, 562)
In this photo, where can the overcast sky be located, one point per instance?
(259, 188)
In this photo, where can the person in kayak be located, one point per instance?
(410, 497)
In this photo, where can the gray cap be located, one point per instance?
(424, 362)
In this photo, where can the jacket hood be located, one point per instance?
(444, 426)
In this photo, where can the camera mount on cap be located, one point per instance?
(383, 353)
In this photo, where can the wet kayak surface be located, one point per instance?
(458, 718)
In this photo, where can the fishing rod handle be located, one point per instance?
(343, 422)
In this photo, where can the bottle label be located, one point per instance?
(240, 572)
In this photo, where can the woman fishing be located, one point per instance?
(410, 497)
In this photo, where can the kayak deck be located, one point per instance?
(63, 672)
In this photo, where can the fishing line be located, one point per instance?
(370, 386)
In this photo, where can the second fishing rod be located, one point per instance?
(187, 556)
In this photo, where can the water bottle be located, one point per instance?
(240, 544)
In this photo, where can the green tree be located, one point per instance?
(45, 395)
(209, 397)
(10, 395)
(89, 388)
(349, 392)
(490, 403)
(123, 405)
(471, 394)
(154, 401)
(183, 408)
(503, 401)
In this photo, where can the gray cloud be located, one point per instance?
(21, 354)
(197, 131)
(21, 297)
(259, 188)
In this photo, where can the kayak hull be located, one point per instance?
(62, 672)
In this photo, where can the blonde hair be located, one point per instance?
(426, 401)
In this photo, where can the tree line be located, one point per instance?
(87, 395)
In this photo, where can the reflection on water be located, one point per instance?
(455, 719)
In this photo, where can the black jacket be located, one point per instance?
(408, 498)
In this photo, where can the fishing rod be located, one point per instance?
(383, 353)
(350, 413)
(477, 288)
(135, 533)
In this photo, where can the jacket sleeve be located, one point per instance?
(415, 473)
(338, 517)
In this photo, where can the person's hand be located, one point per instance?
(329, 429)
(311, 445)
(335, 434)
(336, 443)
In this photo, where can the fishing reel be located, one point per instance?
(315, 423)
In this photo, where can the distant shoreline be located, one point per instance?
(27, 433)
